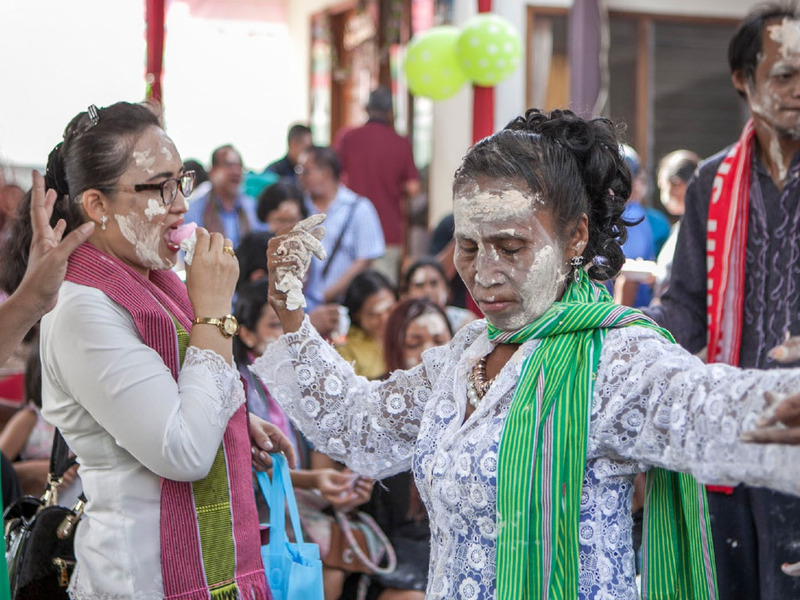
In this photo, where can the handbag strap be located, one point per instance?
(279, 493)
(370, 561)
(338, 243)
(60, 459)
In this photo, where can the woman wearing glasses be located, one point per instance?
(138, 376)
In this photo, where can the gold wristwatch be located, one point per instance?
(228, 325)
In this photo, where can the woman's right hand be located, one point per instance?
(288, 258)
(211, 278)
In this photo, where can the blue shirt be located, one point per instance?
(228, 218)
(639, 245)
(355, 219)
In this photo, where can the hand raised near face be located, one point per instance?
(212, 276)
(288, 258)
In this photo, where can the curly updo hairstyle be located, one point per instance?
(574, 165)
(93, 154)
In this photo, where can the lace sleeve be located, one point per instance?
(371, 426)
(209, 370)
(657, 404)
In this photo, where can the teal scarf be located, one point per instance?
(546, 434)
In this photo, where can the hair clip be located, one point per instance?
(94, 117)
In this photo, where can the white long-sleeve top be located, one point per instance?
(654, 404)
(130, 424)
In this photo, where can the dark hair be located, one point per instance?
(252, 255)
(325, 157)
(577, 167)
(272, 196)
(748, 41)
(396, 326)
(33, 374)
(362, 287)
(380, 101)
(678, 164)
(425, 261)
(249, 306)
(216, 155)
(93, 155)
(200, 174)
(297, 131)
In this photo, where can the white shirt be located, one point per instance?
(654, 404)
(130, 424)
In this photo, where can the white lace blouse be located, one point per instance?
(130, 424)
(654, 405)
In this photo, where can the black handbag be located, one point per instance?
(40, 534)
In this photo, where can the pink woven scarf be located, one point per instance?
(151, 302)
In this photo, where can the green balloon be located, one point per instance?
(489, 49)
(431, 66)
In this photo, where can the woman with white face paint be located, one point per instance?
(525, 433)
(137, 374)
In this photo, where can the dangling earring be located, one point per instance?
(576, 264)
(103, 221)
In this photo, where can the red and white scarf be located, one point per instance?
(153, 303)
(726, 242)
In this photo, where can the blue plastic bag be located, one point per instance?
(294, 570)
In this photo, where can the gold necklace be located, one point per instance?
(477, 384)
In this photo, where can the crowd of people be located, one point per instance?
(612, 406)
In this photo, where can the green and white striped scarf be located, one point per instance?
(546, 434)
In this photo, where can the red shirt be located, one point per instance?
(377, 163)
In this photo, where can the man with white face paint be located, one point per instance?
(735, 279)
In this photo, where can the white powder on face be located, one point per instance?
(433, 323)
(145, 238)
(154, 208)
(787, 36)
(488, 214)
(144, 160)
(541, 287)
(166, 152)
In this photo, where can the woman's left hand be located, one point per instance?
(779, 423)
(265, 438)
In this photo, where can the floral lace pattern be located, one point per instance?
(222, 376)
(653, 404)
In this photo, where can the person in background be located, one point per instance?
(560, 393)
(368, 301)
(378, 164)
(280, 206)
(415, 325)
(298, 140)
(354, 237)
(224, 208)
(137, 372)
(30, 438)
(425, 278)
(674, 173)
(640, 243)
(733, 291)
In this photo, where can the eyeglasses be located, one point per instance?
(169, 187)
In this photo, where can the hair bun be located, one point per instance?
(55, 177)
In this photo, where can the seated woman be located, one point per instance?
(525, 433)
(137, 373)
(414, 326)
(368, 300)
(28, 439)
(426, 278)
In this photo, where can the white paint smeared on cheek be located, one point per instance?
(145, 238)
(154, 208)
(144, 160)
(540, 288)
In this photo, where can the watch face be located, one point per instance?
(230, 325)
